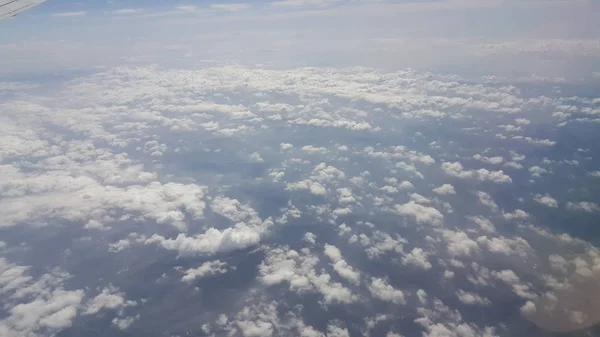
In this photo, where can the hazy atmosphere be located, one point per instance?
(314, 168)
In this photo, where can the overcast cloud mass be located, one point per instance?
(314, 168)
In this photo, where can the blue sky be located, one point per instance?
(513, 38)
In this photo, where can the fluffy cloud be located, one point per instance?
(472, 298)
(109, 298)
(313, 187)
(487, 200)
(455, 169)
(421, 214)
(299, 270)
(341, 266)
(459, 243)
(140, 123)
(517, 214)
(382, 290)
(35, 307)
(445, 189)
(206, 269)
(418, 258)
(546, 200)
(488, 160)
(583, 206)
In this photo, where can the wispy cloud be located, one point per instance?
(126, 11)
(68, 14)
(231, 7)
(299, 3)
(187, 8)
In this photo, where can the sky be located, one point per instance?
(302, 168)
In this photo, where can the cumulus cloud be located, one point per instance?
(206, 269)
(231, 7)
(472, 298)
(459, 244)
(517, 214)
(213, 240)
(299, 271)
(35, 307)
(445, 189)
(546, 200)
(382, 290)
(488, 160)
(313, 187)
(110, 298)
(418, 258)
(48, 176)
(487, 200)
(455, 169)
(421, 214)
(583, 206)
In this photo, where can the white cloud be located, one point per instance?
(546, 200)
(68, 14)
(110, 298)
(406, 185)
(382, 290)
(334, 330)
(301, 3)
(314, 187)
(313, 150)
(188, 8)
(206, 269)
(310, 238)
(256, 158)
(417, 257)
(472, 298)
(522, 121)
(514, 165)
(286, 146)
(231, 7)
(487, 200)
(341, 266)
(127, 11)
(122, 323)
(456, 170)
(528, 308)
(299, 270)
(213, 240)
(445, 189)
(502, 245)
(35, 307)
(583, 206)
(488, 160)
(82, 198)
(484, 223)
(537, 171)
(421, 214)
(459, 243)
(517, 214)
(422, 296)
(419, 198)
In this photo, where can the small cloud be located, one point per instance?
(546, 200)
(68, 14)
(127, 11)
(300, 3)
(445, 189)
(231, 7)
(469, 298)
(186, 8)
(583, 206)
